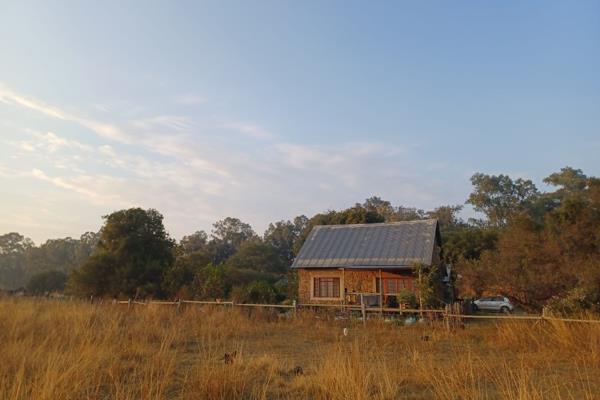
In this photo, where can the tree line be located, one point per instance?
(538, 247)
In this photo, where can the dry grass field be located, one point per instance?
(70, 350)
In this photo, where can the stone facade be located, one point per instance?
(351, 281)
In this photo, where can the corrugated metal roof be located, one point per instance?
(388, 245)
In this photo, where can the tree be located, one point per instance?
(568, 180)
(428, 284)
(195, 242)
(256, 292)
(13, 248)
(99, 276)
(179, 277)
(379, 206)
(209, 283)
(500, 198)
(133, 254)
(258, 256)
(282, 235)
(254, 261)
(554, 259)
(14, 243)
(467, 242)
(227, 236)
(48, 281)
(447, 216)
(406, 214)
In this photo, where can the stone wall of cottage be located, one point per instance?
(351, 281)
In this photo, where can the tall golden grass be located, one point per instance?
(71, 350)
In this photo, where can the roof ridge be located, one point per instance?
(414, 221)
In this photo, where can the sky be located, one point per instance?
(264, 110)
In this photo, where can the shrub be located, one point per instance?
(408, 297)
(255, 292)
(48, 281)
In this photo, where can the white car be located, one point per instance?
(494, 303)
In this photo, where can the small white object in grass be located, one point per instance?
(345, 331)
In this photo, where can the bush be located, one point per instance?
(408, 297)
(575, 301)
(48, 281)
(255, 292)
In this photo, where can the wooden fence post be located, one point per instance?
(447, 316)
(129, 303)
(363, 309)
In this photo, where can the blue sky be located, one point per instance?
(269, 109)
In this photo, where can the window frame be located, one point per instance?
(400, 284)
(316, 291)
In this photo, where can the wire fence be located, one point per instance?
(450, 314)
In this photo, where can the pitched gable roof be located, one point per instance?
(387, 245)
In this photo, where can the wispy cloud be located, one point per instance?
(103, 129)
(174, 122)
(156, 132)
(82, 185)
(190, 99)
(325, 157)
(250, 130)
(51, 142)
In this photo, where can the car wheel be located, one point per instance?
(504, 309)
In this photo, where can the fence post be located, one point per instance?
(447, 316)
(363, 309)
(295, 306)
(129, 303)
(178, 305)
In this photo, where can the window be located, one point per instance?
(393, 285)
(326, 287)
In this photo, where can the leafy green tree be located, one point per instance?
(258, 256)
(467, 242)
(379, 206)
(447, 216)
(99, 276)
(282, 235)
(261, 292)
(13, 250)
(389, 213)
(14, 243)
(197, 241)
(569, 180)
(255, 261)
(406, 214)
(48, 281)
(407, 297)
(428, 283)
(500, 198)
(256, 292)
(179, 277)
(549, 260)
(133, 254)
(209, 283)
(20, 259)
(227, 236)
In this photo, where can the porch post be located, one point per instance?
(380, 292)
(343, 289)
